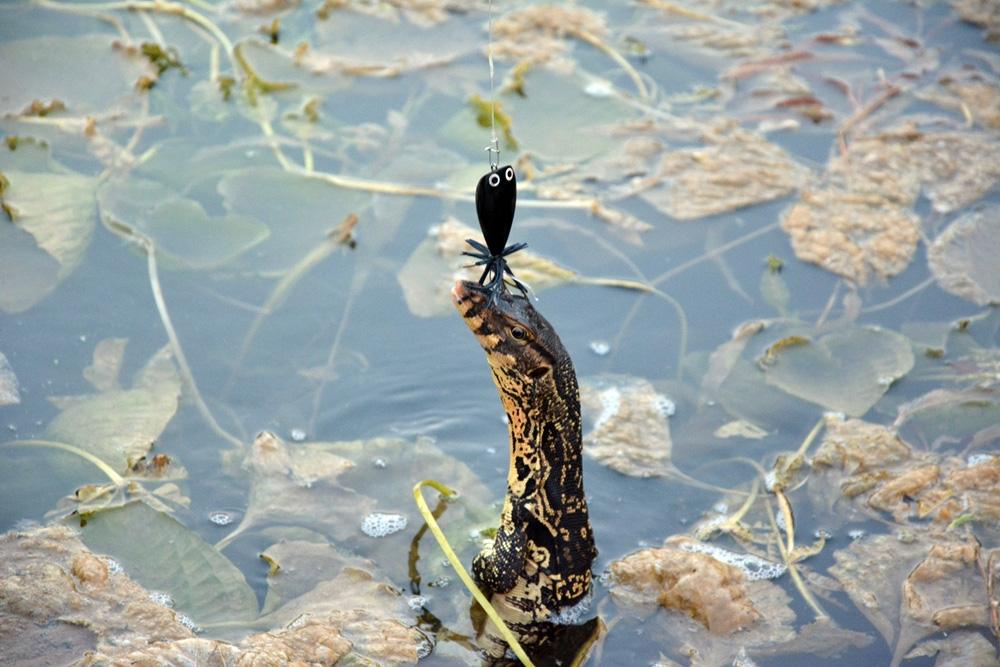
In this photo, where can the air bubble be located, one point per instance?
(666, 406)
(416, 602)
(856, 534)
(380, 463)
(380, 524)
(439, 582)
(424, 648)
(297, 434)
(114, 567)
(221, 517)
(754, 567)
(600, 347)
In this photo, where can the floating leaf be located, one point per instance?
(629, 430)
(165, 556)
(963, 258)
(847, 370)
(9, 394)
(120, 426)
(57, 212)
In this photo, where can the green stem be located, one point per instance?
(432, 523)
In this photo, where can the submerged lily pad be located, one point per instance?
(846, 371)
(178, 226)
(53, 224)
(331, 486)
(65, 68)
(964, 258)
(912, 588)
(120, 426)
(304, 209)
(163, 555)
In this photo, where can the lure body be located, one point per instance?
(496, 199)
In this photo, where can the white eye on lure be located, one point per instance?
(495, 180)
(509, 174)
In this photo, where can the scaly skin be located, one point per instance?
(539, 563)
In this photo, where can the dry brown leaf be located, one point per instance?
(853, 235)
(856, 446)
(872, 465)
(539, 33)
(709, 591)
(912, 588)
(630, 433)
(985, 13)
(735, 169)
(958, 649)
(59, 599)
(861, 224)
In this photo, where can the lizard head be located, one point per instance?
(519, 343)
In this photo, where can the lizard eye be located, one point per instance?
(509, 174)
(518, 333)
(494, 179)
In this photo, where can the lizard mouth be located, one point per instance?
(465, 295)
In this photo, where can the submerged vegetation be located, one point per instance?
(766, 231)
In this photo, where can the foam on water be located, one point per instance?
(380, 524)
(978, 459)
(753, 567)
(572, 615)
(162, 598)
(611, 402)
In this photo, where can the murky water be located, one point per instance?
(286, 331)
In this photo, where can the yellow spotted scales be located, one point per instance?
(538, 566)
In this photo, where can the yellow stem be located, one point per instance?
(83, 454)
(432, 523)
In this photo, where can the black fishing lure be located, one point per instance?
(496, 197)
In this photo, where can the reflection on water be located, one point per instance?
(663, 149)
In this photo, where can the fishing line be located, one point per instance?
(494, 147)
